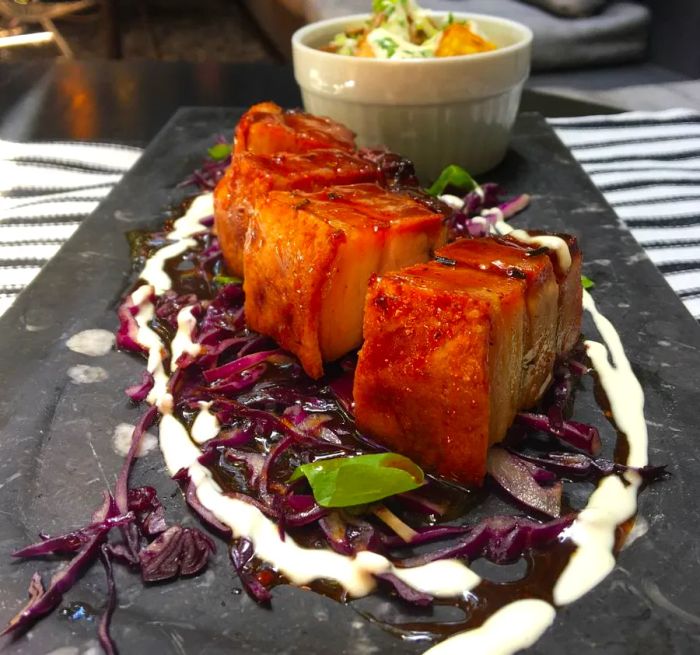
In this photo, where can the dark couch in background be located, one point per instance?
(636, 55)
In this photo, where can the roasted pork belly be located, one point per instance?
(454, 348)
(266, 129)
(570, 296)
(394, 170)
(251, 177)
(309, 256)
(506, 257)
(564, 253)
(439, 375)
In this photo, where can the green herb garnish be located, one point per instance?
(220, 151)
(348, 481)
(388, 45)
(226, 279)
(383, 6)
(586, 282)
(455, 176)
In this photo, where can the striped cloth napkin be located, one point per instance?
(647, 164)
(46, 190)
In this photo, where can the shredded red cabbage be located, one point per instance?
(240, 381)
(578, 466)
(72, 542)
(150, 513)
(419, 503)
(404, 591)
(482, 209)
(139, 392)
(241, 554)
(206, 515)
(176, 552)
(139, 515)
(425, 536)
(237, 366)
(523, 481)
(572, 433)
(342, 389)
(42, 603)
(35, 592)
(500, 539)
(206, 177)
(121, 489)
(103, 634)
(334, 529)
(126, 338)
(169, 304)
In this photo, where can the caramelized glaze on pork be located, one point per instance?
(309, 256)
(251, 177)
(455, 348)
(266, 129)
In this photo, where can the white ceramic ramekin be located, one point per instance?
(436, 111)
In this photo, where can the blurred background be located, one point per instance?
(168, 30)
(632, 54)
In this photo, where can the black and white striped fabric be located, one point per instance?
(46, 190)
(647, 164)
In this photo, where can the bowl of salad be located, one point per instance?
(438, 87)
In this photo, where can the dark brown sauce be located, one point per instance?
(543, 568)
(534, 576)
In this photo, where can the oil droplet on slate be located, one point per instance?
(79, 612)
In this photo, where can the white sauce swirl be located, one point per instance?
(182, 343)
(554, 243)
(620, 384)
(183, 228)
(612, 502)
(557, 244)
(150, 340)
(300, 565)
(206, 425)
(515, 626)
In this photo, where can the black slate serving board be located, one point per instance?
(57, 450)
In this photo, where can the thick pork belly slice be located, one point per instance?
(266, 129)
(506, 257)
(309, 256)
(565, 254)
(251, 177)
(438, 376)
(570, 296)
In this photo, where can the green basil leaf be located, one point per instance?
(226, 279)
(220, 151)
(586, 282)
(348, 481)
(455, 176)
